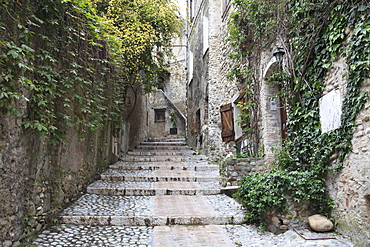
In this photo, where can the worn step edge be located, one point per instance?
(157, 179)
(147, 146)
(182, 139)
(159, 153)
(161, 159)
(152, 220)
(150, 192)
(158, 167)
(163, 143)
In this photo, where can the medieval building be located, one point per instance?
(213, 112)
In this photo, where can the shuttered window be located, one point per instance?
(227, 122)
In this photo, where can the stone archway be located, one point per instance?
(273, 112)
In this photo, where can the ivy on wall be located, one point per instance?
(56, 57)
(71, 60)
(313, 35)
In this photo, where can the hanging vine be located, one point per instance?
(72, 65)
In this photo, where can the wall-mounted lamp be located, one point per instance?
(279, 54)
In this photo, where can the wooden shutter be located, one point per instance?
(227, 122)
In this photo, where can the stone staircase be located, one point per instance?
(163, 194)
(161, 183)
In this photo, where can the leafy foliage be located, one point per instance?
(319, 33)
(145, 29)
(55, 56)
(72, 66)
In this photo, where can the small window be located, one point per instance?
(160, 115)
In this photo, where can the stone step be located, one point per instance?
(92, 209)
(148, 158)
(163, 143)
(165, 165)
(119, 188)
(159, 175)
(159, 152)
(167, 139)
(168, 147)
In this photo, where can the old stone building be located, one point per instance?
(210, 92)
(212, 112)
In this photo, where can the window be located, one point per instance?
(159, 115)
(227, 122)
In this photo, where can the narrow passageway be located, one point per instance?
(161, 194)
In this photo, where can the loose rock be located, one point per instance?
(320, 223)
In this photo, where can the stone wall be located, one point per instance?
(209, 88)
(296, 216)
(233, 170)
(198, 74)
(136, 118)
(350, 187)
(160, 101)
(221, 91)
(38, 179)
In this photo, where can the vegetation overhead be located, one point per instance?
(70, 61)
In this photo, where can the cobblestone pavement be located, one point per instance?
(166, 200)
(180, 235)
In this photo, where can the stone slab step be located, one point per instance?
(162, 158)
(160, 152)
(163, 143)
(159, 175)
(93, 209)
(153, 188)
(165, 165)
(167, 139)
(168, 147)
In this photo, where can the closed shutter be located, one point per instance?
(227, 122)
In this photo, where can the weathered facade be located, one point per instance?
(38, 179)
(211, 98)
(350, 187)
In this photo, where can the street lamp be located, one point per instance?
(279, 54)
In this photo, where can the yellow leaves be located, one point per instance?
(143, 27)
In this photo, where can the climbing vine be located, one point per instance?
(313, 36)
(56, 58)
(70, 61)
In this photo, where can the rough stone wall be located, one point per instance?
(197, 95)
(158, 100)
(270, 107)
(221, 91)
(350, 187)
(37, 179)
(136, 117)
(234, 169)
(175, 88)
(209, 89)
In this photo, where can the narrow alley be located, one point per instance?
(163, 194)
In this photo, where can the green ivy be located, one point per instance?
(319, 33)
(56, 56)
